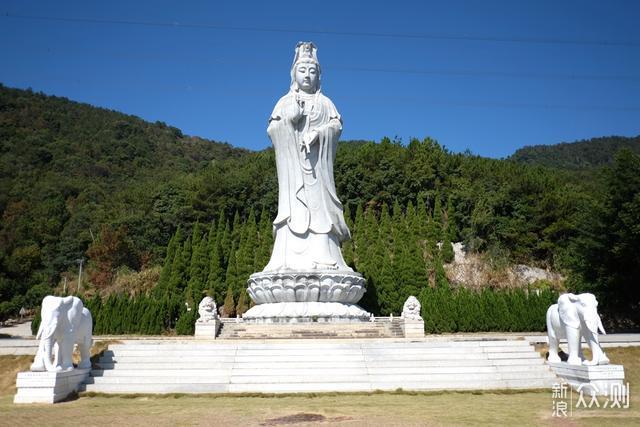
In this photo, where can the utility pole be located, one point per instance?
(79, 261)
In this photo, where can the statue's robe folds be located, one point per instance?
(310, 222)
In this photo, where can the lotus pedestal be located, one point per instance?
(306, 296)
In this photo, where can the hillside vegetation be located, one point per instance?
(79, 181)
(586, 154)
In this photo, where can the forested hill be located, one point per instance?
(68, 168)
(83, 182)
(586, 154)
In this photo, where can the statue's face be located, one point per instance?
(307, 77)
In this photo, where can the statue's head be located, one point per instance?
(305, 71)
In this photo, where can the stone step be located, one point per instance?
(510, 364)
(226, 377)
(188, 351)
(305, 370)
(316, 366)
(383, 344)
(316, 387)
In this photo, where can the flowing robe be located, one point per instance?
(310, 222)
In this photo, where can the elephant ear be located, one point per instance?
(567, 311)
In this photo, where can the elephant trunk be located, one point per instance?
(594, 323)
(47, 355)
(601, 327)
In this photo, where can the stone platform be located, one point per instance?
(317, 366)
(380, 328)
(599, 380)
(48, 387)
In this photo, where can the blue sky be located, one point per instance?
(488, 76)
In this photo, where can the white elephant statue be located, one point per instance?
(65, 323)
(574, 317)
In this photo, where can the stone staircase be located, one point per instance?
(291, 366)
(383, 328)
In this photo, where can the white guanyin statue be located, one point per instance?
(304, 129)
(306, 276)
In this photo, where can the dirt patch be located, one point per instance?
(294, 419)
(9, 368)
(303, 417)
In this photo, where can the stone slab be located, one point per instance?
(599, 380)
(207, 330)
(48, 387)
(413, 328)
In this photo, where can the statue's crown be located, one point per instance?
(306, 51)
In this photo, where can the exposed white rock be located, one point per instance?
(472, 270)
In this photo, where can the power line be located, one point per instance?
(427, 36)
(266, 62)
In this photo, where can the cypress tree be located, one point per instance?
(451, 229)
(438, 216)
(242, 307)
(178, 272)
(246, 251)
(229, 304)
(359, 241)
(215, 278)
(198, 271)
(226, 245)
(165, 274)
(265, 241)
(447, 250)
(386, 287)
(422, 218)
(231, 278)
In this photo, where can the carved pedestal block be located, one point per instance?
(306, 286)
(207, 330)
(300, 312)
(48, 387)
(599, 380)
(413, 328)
(306, 296)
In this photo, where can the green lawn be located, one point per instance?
(506, 408)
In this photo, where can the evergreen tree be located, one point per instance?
(178, 272)
(447, 250)
(215, 278)
(387, 289)
(422, 219)
(265, 241)
(229, 306)
(246, 251)
(198, 273)
(242, 307)
(165, 274)
(437, 225)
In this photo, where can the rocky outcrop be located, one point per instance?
(474, 271)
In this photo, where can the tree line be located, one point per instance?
(81, 182)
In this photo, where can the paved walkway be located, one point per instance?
(18, 330)
(22, 342)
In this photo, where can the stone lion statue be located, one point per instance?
(411, 309)
(207, 310)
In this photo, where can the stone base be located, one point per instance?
(48, 387)
(207, 330)
(299, 312)
(413, 328)
(306, 286)
(597, 380)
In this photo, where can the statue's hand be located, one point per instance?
(308, 139)
(293, 111)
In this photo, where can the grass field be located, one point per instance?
(388, 409)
